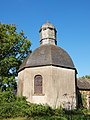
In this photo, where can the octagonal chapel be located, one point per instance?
(48, 74)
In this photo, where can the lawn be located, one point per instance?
(19, 118)
(37, 118)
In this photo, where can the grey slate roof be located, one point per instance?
(48, 55)
(83, 83)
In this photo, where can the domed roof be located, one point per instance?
(48, 55)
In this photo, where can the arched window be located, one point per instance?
(38, 84)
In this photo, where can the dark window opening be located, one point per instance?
(38, 84)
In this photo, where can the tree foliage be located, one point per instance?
(86, 76)
(14, 47)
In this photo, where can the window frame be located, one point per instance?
(38, 87)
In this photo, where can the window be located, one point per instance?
(38, 84)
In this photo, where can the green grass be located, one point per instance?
(74, 117)
(37, 118)
(18, 118)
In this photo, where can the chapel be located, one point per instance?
(48, 74)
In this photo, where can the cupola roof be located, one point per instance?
(48, 55)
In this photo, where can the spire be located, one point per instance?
(47, 34)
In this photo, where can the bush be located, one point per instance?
(12, 106)
(7, 96)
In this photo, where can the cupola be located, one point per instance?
(48, 34)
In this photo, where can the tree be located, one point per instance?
(86, 76)
(14, 47)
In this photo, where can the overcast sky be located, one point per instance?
(70, 17)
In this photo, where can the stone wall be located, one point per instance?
(58, 86)
(85, 96)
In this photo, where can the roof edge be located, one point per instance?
(48, 65)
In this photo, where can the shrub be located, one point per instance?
(7, 96)
(12, 106)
